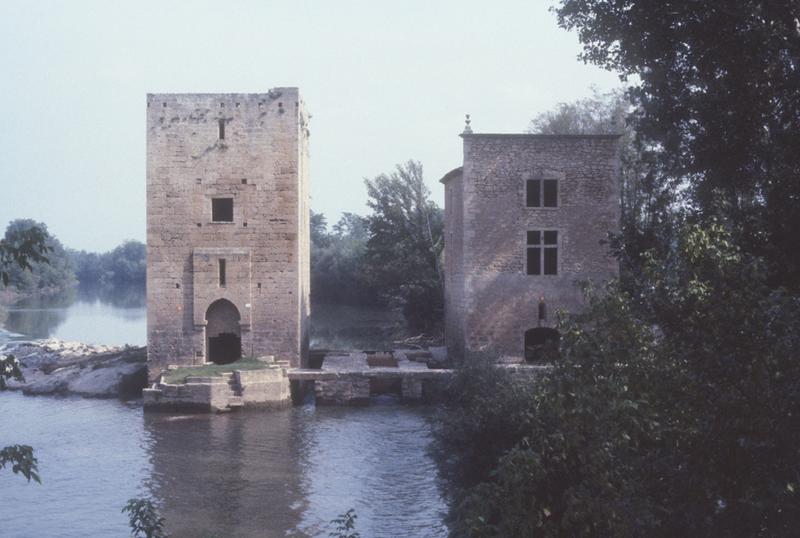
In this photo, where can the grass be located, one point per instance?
(207, 370)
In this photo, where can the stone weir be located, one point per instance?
(353, 377)
(343, 378)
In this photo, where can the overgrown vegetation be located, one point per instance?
(674, 413)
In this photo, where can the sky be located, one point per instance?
(385, 82)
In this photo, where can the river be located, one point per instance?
(246, 474)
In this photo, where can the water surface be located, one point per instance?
(245, 474)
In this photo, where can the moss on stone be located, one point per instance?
(209, 370)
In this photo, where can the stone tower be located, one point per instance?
(227, 227)
(526, 217)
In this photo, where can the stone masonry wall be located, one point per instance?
(454, 263)
(261, 163)
(499, 297)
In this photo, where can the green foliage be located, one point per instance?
(20, 457)
(9, 368)
(674, 413)
(404, 249)
(145, 519)
(24, 253)
(22, 461)
(125, 264)
(338, 260)
(602, 113)
(717, 103)
(345, 525)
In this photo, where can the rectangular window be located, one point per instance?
(541, 193)
(222, 129)
(222, 273)
(542, 252)
(222, 209)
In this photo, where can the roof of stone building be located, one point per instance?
(537, 135)
(451, 174)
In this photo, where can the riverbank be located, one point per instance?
(55, 366)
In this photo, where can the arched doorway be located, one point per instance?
(537, 339)
(223, 334)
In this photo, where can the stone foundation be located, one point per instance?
(242, 388)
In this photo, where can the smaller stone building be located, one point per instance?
(526, 217)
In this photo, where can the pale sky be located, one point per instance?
(384, 81)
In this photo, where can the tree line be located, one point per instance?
(58, 268)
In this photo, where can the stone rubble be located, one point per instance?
(55, 366)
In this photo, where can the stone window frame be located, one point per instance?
(558, 247)
(542, 175)
(211, 198)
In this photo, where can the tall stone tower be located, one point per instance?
(526, 217)
(227, 227)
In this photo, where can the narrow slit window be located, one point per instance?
(222, 129)
(542, 252)
(222, 209)
(222, 273)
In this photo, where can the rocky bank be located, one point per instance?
(58, 367)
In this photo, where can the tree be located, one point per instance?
(25, 244)
(405, 244)
(124, 265)
(22, 246)
(337, 262)
(717, 99)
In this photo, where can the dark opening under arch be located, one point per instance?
(537, 339)
(223, 334)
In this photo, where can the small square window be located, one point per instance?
(222, 209)
(541, 193)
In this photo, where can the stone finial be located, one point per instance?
(467, 128)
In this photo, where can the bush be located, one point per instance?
(672, 414)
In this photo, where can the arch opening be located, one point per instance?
(223, 333)
(538, 340)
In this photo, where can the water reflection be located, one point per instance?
(288, 473)
(226, 475)
(355, 327)
(244, 474)
(102, 315)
